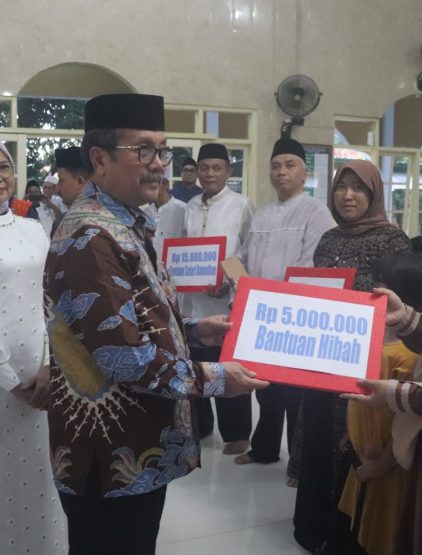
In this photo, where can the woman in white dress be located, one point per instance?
(31, 518)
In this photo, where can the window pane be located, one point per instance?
(397, 219)
(5, 113)
(237, 160)
(354, 132)
(51, 113)
(180, 154)
(234, 126)
(40, 154)
(226, 125)
(397, 182)
(180, 121)
(211, 123)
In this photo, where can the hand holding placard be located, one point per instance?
(194, 262)
(376, 397)
(211, 330)
(240, 380)
(396, 309)
(218, 292)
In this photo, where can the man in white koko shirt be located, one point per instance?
(283, 233)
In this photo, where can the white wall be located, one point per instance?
(363, 54)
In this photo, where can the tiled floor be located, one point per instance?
(224, 508)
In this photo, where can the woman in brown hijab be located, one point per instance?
(362, 236)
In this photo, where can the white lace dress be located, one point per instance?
(31, 519)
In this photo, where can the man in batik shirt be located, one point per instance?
(121, 425)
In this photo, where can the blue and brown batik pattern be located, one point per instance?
(121, 374)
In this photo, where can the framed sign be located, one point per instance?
(339, 278)
(194, 262)
(319, 162)
(306, 336)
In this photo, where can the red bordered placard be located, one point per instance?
(310, 298)
(192, 257)
(345, 277)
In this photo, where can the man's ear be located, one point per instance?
(98, 157)
(81, 182)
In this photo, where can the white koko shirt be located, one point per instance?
(226, 213)
(169, 219)
(285, 234)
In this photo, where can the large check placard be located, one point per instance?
(194, 262)
(339, 278)
(305, 335)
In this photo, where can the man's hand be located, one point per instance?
(370, 469)
(39, 388)
(395, 306)
(20, 393)
(211, 330)
(377, 397)
(48, 201)
(375, 467)
(240, 381)
(218, 292)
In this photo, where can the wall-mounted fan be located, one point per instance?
(297, 96)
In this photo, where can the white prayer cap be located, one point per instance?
(51, 179)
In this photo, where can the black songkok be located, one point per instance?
(288, 146)
(188, 162)
(125, 111)
(68, 158)
(213, 150)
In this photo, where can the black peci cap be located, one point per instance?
(125, 111)
(288, 146)
(68, 157)
(213, 150)
(188, 162)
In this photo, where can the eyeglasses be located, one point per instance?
(147, 153)
(189, 170)
(6, 170)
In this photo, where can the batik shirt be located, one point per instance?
(121, 374)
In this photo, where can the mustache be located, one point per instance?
(152, 178)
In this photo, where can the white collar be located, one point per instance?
(291, 200)
(7, 219)
(214, 198)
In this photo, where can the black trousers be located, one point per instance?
(274, 401)
(323, 472)
(111, 526)
(234, 416)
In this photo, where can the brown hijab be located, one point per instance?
(375, 216)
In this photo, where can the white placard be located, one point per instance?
(336, 283)
(307, 333)
(193, 265)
